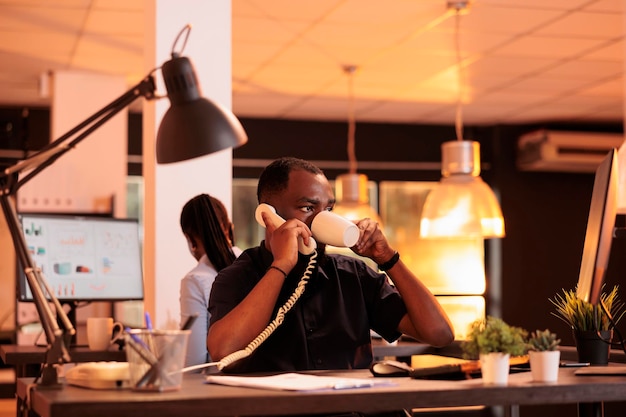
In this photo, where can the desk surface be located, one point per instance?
(205, 400)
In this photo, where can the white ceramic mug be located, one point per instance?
(334, 230)
(102, 332)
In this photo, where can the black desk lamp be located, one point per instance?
(193, 126)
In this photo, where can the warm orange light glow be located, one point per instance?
(446, 266)
(352, 193)
(462, 312)
(462, 205)
(356, 211)
(452, 269)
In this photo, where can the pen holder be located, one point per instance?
(155, 358)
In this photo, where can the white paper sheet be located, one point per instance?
(297, 382)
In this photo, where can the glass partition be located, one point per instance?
(453, 269)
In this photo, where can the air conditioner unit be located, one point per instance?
(561, 151)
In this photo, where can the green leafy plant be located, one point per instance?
(581, 315)
(493, 334)
(543, 340)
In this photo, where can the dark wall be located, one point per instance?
(546, 215)
(327, 141)
(28, 129)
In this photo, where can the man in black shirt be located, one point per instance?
(329, 326)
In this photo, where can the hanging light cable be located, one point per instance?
(462, 205)
(351, 189)
(458, 114)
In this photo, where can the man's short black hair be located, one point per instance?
(275, 176)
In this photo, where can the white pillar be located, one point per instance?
(168, 187)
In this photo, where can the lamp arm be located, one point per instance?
(58, 339)
(54, 150)
(57, 351)
(8, 207)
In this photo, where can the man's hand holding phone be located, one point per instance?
(287, 239)
(267, 217)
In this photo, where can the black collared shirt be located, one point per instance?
(328, 327)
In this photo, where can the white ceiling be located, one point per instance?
(523, 61)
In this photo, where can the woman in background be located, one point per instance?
(209, 233)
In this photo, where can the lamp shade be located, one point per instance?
(193, 126)
(462, 205)
(353, 198)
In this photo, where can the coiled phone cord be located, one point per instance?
(278, 319)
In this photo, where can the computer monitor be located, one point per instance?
(599, 234)
(84, 258)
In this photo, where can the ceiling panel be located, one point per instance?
(592, 25)
(523, 61)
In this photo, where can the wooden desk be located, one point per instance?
(197, 399)
(21, 357)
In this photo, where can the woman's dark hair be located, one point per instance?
(275, 176)
(205, 218)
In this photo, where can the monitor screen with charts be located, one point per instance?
(84, 258)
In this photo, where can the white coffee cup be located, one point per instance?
(332, 229)
(102, 332)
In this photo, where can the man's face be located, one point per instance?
(306, 195)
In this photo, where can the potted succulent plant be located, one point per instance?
(590, 324)
(543, 355)
(493, 342)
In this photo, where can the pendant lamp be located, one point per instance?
(462, 205)
(351, 190)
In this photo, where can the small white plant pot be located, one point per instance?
(544, 366)
(495, 368)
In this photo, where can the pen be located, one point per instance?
(138, 346)
(573, 364)
(137, 339)
(351, 385)
(150, 328)
(148, 321)
(189, 322)
(152, 373)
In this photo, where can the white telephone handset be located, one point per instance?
(277, 220)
